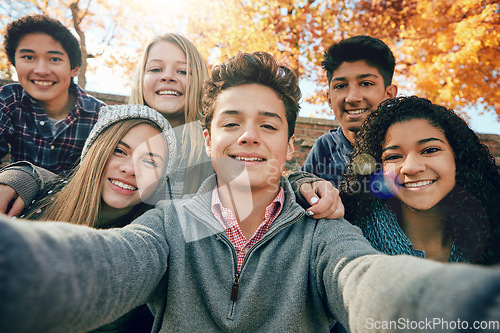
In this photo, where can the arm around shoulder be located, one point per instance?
(26, 179)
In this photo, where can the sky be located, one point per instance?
(107, 82)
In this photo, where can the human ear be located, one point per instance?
(208, 142)
(391, 91)
(290, 150)
(328, 98)
(75, 71)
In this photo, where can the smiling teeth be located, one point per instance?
(249, 159)
(417, 184)
(355, 112)
(169, 92)
(43, 83)
(122, 185)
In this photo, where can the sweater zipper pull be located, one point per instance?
(234, 289)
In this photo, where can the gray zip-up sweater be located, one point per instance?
(57, 277)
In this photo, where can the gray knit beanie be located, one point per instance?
(110, 114)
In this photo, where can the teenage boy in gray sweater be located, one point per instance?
(239, 257)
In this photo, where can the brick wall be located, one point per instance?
(307, 130)
(492, 141)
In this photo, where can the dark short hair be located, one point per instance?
(369, 49)
(247, 68)
(17, 29)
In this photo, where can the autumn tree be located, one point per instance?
(448, 49)
(296, 32)
(108, 22)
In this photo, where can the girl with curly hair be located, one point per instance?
(421, 183)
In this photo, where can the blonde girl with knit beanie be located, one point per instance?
(123, 171)
(124, 164)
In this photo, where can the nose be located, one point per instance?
(168, 75)
(249, 136)
(412, 165)
(353, 95)
(127, 167)
(42, 67)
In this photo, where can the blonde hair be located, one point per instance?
(79, 202)
(192, 143)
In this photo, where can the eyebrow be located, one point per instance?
(155, 155)
(123, 143)
(160, 60)
(361, 76)
(420, 142)
(31, 51)
(261, 113)
(148, 153)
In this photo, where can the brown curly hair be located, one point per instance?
(247, 68)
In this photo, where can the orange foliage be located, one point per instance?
(296, 32)
(108, 20)
(447, 48)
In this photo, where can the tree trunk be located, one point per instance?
(75, 13)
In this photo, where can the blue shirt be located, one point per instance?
(26, 132)
(329, 156)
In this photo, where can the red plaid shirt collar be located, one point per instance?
(228, 220)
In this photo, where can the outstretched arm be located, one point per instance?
(414, 294)
(78, 278)
(378, 292)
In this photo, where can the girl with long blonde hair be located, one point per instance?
(127, 155)
(122, 173)
(169, 78)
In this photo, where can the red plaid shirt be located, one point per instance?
(228, 220)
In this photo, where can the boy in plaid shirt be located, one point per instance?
(46, 117)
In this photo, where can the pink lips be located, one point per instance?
(169, 92)
(122, 186)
